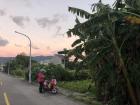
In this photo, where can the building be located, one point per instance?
(56, 59)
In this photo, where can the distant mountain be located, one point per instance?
(41, 58)
(5, 59)
(36, 58)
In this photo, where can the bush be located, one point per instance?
(52, 70)
(59, 72)
(18, 72)
(82, 75)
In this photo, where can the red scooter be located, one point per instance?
(50, 86)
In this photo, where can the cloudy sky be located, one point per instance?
(44, 21)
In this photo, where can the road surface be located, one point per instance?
(18, 92)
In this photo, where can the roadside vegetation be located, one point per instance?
(81, 86)
(108, 45)
(18, 66)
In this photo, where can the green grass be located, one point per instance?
(81, 86)
(18, 73)
(78, 86)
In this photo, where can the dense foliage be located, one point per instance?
(52, 70)
(59, 72)
(109, 45)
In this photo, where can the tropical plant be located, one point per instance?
(109, 45)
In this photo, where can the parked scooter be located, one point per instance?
(50, 86)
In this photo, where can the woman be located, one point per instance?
(41, 79)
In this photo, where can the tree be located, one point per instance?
(21, 62)
(108, 45)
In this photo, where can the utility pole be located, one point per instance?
(8, 67)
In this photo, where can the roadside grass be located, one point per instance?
(79, 91)
(18, 73)
(80, 86)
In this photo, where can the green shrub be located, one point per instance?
(82, 75)
(52, 70)
(18, 72)
(59, 72)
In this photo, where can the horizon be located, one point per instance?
(27, 55)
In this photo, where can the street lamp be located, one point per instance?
(30, 55)
(8, 67)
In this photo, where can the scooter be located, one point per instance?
(49, 87)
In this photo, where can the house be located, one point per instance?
(56, 59)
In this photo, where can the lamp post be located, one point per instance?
(8, 67)
(30, 55)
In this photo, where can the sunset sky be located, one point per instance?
(44, 21)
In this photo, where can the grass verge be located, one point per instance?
(78, 86)
(79, 91)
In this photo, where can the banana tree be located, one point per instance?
(104, 36)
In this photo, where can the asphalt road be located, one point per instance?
(14, 91)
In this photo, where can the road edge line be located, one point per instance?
(6, 98)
